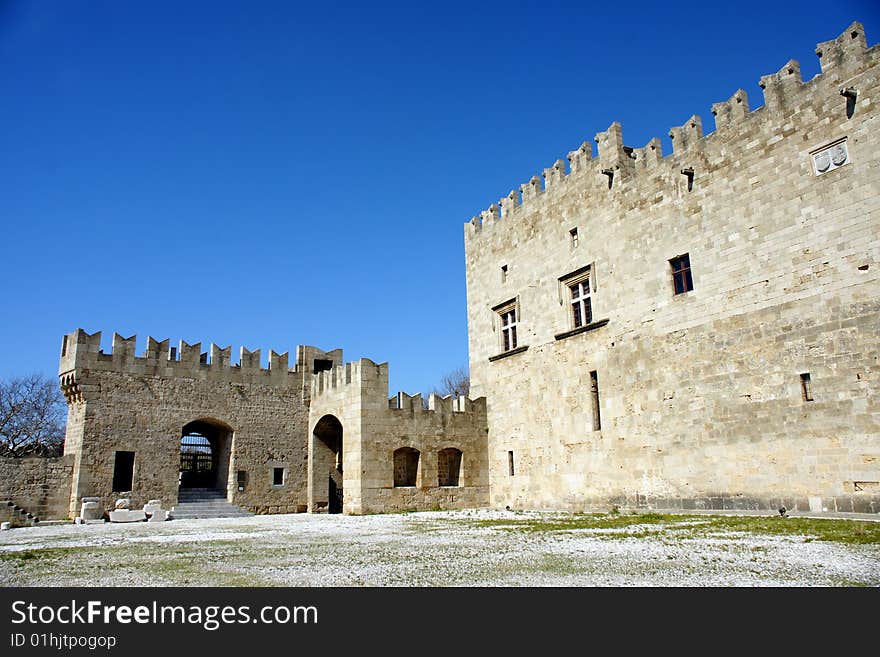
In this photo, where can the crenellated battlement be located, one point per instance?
(81, 353)
(436, 403)
(616, 166)
(356, 375)
(369, 381)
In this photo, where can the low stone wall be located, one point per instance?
(413, 498)
(865, 502)
(263, 509)
(41, 486)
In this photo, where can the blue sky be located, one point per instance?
(275, 173)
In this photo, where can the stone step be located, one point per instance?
(17, 515)
(206, 503)
(201, 497)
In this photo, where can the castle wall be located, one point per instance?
(700, 395)
(39, 485)
(118, 401)
(375, 427)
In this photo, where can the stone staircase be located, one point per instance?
(14, 514)
(206, 503)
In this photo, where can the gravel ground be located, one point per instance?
(421, 549)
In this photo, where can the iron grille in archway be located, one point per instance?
(196, 461)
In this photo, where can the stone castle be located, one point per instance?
(699, 330)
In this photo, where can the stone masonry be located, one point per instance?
(256, 419)
(757, 388)
(379, 431)
(699, 330)
(41, 486)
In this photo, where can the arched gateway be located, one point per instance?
(325, 466)
(204, 455)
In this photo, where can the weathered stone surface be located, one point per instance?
(123, 402)
(699, 393)
(374, 427)
(158, 515)
(40, 485)
(91, 510)
(754, 390)
(127, 515)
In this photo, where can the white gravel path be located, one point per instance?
(420, 549)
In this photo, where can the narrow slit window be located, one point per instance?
(503, 273)
(682, 280)
(594, 394)
(510, 463)
(806, 387)
(573, 236)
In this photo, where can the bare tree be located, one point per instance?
(32, 417)
(456, 383)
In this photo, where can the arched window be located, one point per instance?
(448, 466)
(406, 466)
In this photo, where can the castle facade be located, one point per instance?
(699, 330)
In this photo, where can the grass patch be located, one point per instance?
(578, 521)
(849, 532)
(36, 554)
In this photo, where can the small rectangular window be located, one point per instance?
(241, 479)
(682, 281)
(573, 234)
(123, 472)
(577, 284)
(503, 273)
(321, 365)
(581, 306)
(806, 387)
(277, 476)
(510, 463)
(508, 328)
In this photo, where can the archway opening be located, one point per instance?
(406, 467)
(448, 466)
(326, 465)
(204, 455)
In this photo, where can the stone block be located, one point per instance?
(92, 510)
(127, 515)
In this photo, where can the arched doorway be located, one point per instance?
(325, 467)
(204, 455)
